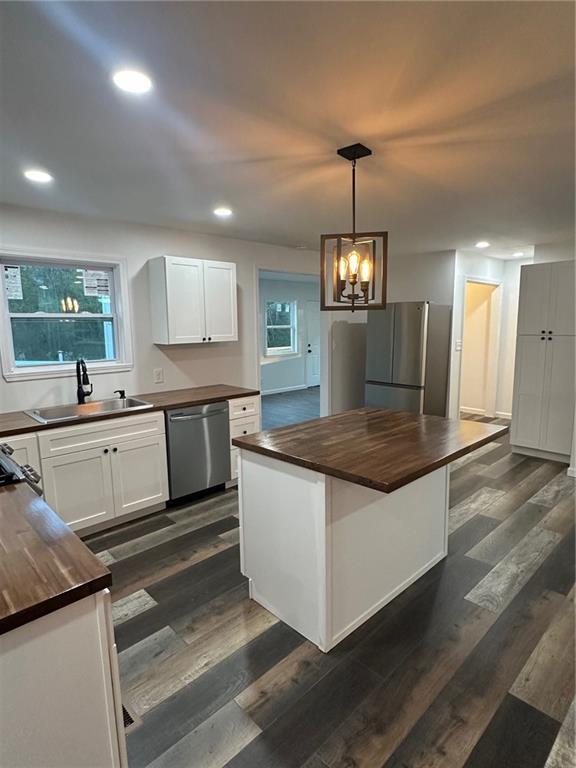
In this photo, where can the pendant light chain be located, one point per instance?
(354, 202)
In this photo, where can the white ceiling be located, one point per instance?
(468, 107)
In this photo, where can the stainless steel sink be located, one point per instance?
(97, 408)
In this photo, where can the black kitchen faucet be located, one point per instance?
(83, 381)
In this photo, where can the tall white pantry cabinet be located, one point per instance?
(544, 382)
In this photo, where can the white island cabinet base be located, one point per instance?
(324, 554)
(60, 702)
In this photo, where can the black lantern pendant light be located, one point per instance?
(353, 265)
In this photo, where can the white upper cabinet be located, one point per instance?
(193, 301)
(220, 301)
(561, 316)
(547, 299)
(534, 299)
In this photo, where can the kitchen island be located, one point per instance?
(341, 514)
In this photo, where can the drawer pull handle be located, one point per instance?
(105, 450)
(243, 407)
(245, 432)
(114, 450)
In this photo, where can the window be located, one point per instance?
(281, 327)
(57, 312)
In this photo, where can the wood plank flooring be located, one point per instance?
(471, 667)
(290, 407)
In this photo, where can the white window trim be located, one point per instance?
(282, 351)
(124, 362)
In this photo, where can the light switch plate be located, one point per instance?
(158, 375)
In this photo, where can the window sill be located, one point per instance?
(69, 371)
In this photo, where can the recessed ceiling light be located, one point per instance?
(132, 81)
(518, 254)
(38, 176)
(482, 244)
(222, 212)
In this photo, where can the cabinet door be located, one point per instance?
(561, 320)
(528, 391)
(220, 300)
(185, 300)
(25, 449)
(534, 298)
(78, 486)
(140, 474)
(558, 405)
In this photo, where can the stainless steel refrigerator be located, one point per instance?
(408, 356)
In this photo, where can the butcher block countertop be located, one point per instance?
(377, 448)
(44, 566)
(18, 423)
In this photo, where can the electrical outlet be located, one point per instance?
(158, 375)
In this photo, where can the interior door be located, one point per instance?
(534, 299)
(558, 405)
(380, 344)
(409, 364)
(220, 301)
(139, 473)
(528, 391)
(185, 296)
(312, 343)
(78, 486)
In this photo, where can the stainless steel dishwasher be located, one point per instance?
(198, 441)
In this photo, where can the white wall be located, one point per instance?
(563, 251)
(184, 366)
(285, 372)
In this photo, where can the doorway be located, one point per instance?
(480, 348)
(289, 347)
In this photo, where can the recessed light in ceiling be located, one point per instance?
(132, 81)
(518, 254)
(482, 244)
(38, 176)
(222, 212)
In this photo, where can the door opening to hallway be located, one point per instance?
(289, 346)
(480, 348)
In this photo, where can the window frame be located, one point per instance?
(282, 351)
(120, 315)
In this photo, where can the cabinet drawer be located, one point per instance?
(246, 426)
(244, 406)
(25, 449)
(57, 442)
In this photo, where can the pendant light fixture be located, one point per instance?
(353, 265)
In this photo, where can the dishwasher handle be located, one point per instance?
(196, 416)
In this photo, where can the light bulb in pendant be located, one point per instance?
(353, 262)
(365, 270)
(343, 267)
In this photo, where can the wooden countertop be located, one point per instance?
(377, 448)
(44, 566)
(18, 423)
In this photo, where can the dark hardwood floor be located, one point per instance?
(290, 407)
(471, 667)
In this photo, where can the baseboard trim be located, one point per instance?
(282, 389)
(474, 411)
(571, 471)
(562, 458)
(503, 415)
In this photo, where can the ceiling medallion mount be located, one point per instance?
(353, 265)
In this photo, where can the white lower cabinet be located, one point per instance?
(124, 472)
(65, 704)
(78, 486)
(25, 449)
(139, 474)
(244, 420)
